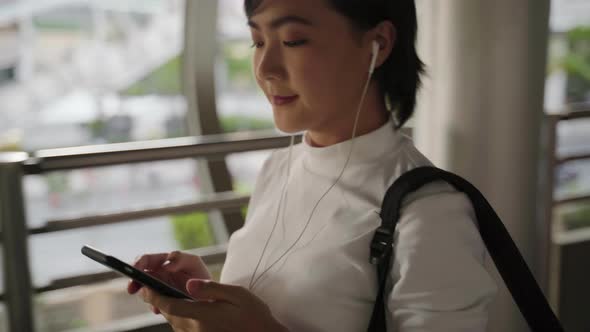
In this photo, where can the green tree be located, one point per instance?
(577, 64)
(192, 230)
(578, 218)
(165, 80)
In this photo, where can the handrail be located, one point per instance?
(221, 201)
(572, 112)
(551, 237)
(571, 236)
(575, 115)
(582, 156)
(574, 199)
(210, 146)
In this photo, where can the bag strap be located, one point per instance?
(505, 254)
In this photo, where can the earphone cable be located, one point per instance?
(254, 281)
(277, 215)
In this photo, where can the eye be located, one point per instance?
(257, 44)
(295, 43)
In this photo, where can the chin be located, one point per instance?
(288, 124)
(286, 129)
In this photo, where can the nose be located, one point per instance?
(269, 64)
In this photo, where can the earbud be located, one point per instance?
(374, 56)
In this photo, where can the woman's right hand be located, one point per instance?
(174, 268)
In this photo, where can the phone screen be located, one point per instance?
(129, 271)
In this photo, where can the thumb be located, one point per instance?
(208, 290)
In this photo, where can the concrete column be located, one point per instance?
(481, 110)
(202, 117)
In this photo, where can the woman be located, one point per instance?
(300, 263)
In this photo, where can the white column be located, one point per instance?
(481, 109)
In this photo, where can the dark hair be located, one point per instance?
(399, 76)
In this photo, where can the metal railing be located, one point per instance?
(557, 160)
(14, 166)
(14, 233)
(554, 237)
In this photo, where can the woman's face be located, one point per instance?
(309, 63)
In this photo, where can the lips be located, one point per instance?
(283, 100)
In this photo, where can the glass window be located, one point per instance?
(80, 73)
(76, 73)
(568, 82)
(67, 194)
(240, 103)
(568, 79)
(94, 73)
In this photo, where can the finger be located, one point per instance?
(178, 261)
(183, 324)
(151, 261)
(155, 310)
(146, 298)
(201, 289)
(186, 309)
(133, 286)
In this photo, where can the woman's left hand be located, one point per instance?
(218, 307)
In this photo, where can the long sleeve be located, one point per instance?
(438, 275)
(325, 282)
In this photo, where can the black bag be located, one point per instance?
(509, 262)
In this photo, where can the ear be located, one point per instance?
(385, 34)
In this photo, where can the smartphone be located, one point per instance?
(133, 273)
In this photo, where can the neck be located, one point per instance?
(373, 115)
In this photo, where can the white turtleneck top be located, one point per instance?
(326, 282)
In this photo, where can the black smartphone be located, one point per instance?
(133, 273)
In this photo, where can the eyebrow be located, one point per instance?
(278, 22)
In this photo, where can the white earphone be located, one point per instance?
(374, 56)
(254, 278)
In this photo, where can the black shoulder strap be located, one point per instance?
(512, 267)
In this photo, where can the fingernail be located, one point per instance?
(171, 256)
(194, 285)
